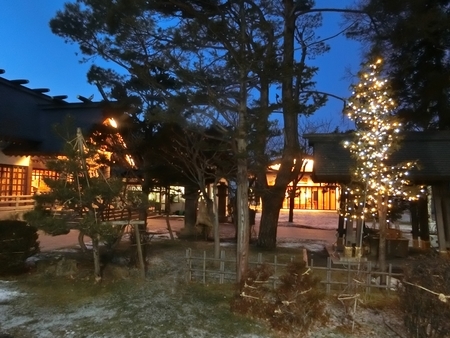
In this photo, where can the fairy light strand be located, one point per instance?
(377, 136)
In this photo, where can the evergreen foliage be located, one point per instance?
(412, 38)
(80, 195)
(222, 60)
(18, 241)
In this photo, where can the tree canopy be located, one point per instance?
(413, 38)
(234, 62)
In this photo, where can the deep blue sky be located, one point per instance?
(30, 51)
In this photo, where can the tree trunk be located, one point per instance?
(143, 207)
(291, 151)
(292, 193)
(214, 216)
(190, 213)
(169, 228)
(271, 204)
(81, 241)
(382, 213)
(242, 246)
(242, 223)
(96, 253)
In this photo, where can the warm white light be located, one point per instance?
(376, 135)
(112, 122)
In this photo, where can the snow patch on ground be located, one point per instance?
(7, 293)
(310, 245)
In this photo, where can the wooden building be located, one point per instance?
(309, 194)
(28, 138)
(431, 150)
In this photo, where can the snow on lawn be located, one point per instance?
(7, 294)
(310, 245)
(313, 246)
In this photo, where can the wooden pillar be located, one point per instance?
(424, 227)
(413, 209)
(438, 201)
(27, 189)
(349, 233)
(359, 232)
(446, 211)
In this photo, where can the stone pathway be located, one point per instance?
(308, 225)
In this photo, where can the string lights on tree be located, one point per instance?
(375, 180)
(377, 136)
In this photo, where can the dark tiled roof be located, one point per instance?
(21, 147)
(431, 149)
(28, 117)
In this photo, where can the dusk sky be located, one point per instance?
(29, 50)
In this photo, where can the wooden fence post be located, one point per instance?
(275, 261)
(388, 284)
(368, 277)
(328, 275)
(139, 250)
(260, 260)
(222, 266)
(204, 267)
(189, 265)
(219, 272)
(349, 278)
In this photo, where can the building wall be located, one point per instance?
(310, 195)
(14, 175)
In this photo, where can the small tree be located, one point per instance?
(81, 192)
(202, 154)
(377, 136)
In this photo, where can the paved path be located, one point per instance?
(308, 225)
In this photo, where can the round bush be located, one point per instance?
(18, 241)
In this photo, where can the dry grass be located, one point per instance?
(162, 305)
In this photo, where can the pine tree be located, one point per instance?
(78, 196)
(377, 137)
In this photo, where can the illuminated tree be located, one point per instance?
(377, 137)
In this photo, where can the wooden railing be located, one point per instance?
(120, 214)
(16, 203)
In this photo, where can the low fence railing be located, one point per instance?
(362, 275)
(16, 203)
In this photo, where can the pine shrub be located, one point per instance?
(18, 241)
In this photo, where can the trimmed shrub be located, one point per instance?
(425, 297)
(18, 241)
